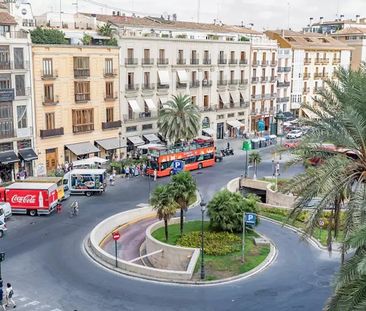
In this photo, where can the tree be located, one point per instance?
(179, 119)
(48, 36)
(182, 187)
(106, 30)
(341, 120)
(164, 205)
(226, 210)
(256, 159)
(87, 39)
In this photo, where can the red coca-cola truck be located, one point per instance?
(30, 198)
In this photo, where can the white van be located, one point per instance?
(5, 211)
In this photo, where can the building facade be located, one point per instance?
(77, 113)
(315, 58)
(16, 109)
(284, 74)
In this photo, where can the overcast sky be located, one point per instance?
(263, 14)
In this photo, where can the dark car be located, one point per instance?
(218, 156)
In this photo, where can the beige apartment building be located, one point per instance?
(77, 111)
(315, 58)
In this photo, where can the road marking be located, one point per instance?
(25, 303)
(32, 303)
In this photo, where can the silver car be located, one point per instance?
(294, 134)
(3, 228)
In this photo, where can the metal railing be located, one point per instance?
(52, 132)
(206, 61)
(284, 69)
(221, 82)
(147, 86)
(181, 61)
(147, 61)
(50, 101)
(283, 83)
(14, 34)
(131, 87)
(82, 128)
(82, 97)
(243, 62)
(206, 83)
(108, 73)
(81, 73)
(194, 84)
(111, 125)
(222, 61)
(195, 61)
(163, 61)
(111, 96)
(233, 61)
(49, 75)
(131, 61)
(181, 85)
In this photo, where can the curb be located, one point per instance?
(310, 239)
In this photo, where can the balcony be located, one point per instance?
(148, 86)
(52, 133)
(131, 87)
(284, 69)
(222, 61)
(306, 76)
(306, 90)
(244, 104)
(110, 97)
(81, 73)
(307, 61)
(5, 65)
(140, 117)
(233, 62)
(50, 101)
(254, 112)
(181, 61)
(111, 125)
(233, 82)
(273, 95)
(283, 84)
(318, 61)
(131, 61)
(256, 97)
(221, 83)
(206, 83)
(255, 79)
(273, 79)
(82, 128)
(195, 61)
(264, 63)
(163, 61)
(110, 73)
(82, 98)
(243, 62)
(8, 65)
(319, 89)
(147, 61)
(274, 63)
(206, 61)
(14, 34)
(162, 86)
(318, 75)
(325, 61)
(264, 79)
(7, 95)
(336, 61)
(181, 85)
(49, 76)
(266, 96)
(226, 106)
(243, 82)
(194, 84)
(283, 99)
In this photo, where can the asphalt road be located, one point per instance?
(49, 270)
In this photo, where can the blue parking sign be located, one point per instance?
(178, 166)
(250, 219)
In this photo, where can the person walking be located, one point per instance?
(127, 172)
(155, 174)
(9, 296)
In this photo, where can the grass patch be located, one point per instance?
(224, 266)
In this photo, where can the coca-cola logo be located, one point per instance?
(28, 199)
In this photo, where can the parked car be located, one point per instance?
(291, 144)
(3, 228)
(218, 156)
(294, 134)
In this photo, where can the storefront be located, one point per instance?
(27, 156)
(111, 147)
(80, 151)
(8, 160)
(235, 128)
(220, 132)
(133, 142)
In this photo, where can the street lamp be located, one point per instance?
(203, 209)
(120, 145)
(280, 117)
(148, 176)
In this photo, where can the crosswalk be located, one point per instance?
(28, 304)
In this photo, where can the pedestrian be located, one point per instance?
(127, 172)
(9, 296)
(228, 146)
(58, 208)
(143, 170)
(155, 174)
(66, 167)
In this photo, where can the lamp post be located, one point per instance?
(148, 176)
(280, 117)
(120, 145)
(203, 209)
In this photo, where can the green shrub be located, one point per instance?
(48, 36)
(216, 243)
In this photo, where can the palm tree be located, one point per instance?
(164, 205)
(340, 180)
(179, 119)
(183, 187)
(106, 30)
(256, 159)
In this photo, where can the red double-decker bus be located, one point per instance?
(196, 155)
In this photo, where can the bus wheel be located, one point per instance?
(33, 212)
(200, 166)
(88, 193)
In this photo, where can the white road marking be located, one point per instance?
(32, 303)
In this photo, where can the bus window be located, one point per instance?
(201, 158)
(208, 156)
(190, 160)
(166, 165)
(154, 165)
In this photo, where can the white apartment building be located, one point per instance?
(284, 73)
(315, 57)
(180, 57)
(263, 81)
(16, 109)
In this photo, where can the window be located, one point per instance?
(4, 57)
(6, 120)
(20, 85)
(194, 99)
(6, 147)
(290, 39)
(83, 120)
(18, 58)
(50, 121)
(232, 55)
(109, 66)
(263, 89)
(232, 75)
(242, 55)
(147, 127)
(131, 129)
(81, 62)
(180, 55)
(48, 93)
(221, 74)
(147, 53)
(161, 53)
(308, 40)
(130, 79)
(221, 55)
(129, 53)
(206, 102)
(5, 81)
(206, 55)
(109, 89)
(23, 144)
(109, 114)
(254, 73)
(194, 54)
(22, 116)
(47, 66)
(146, 78)
(82, 91)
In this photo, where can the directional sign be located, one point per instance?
(250, 219)
(178, 166)
(116, 235)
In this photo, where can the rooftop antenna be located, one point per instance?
(198, 11)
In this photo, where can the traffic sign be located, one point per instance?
(247, 145)
(116, 235)
(178, 166)
(250, 219)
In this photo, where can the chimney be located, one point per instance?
(357, 19)
(114, 13)
(321, 20)
(214, 21)
(311, 21)
(242, 24)
(174, 17)
(118, 13)
(341, 17)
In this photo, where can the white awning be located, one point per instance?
(147, 146)
(224, 98)
(136, 140)
(310, 114)
(150, 103)
(182, 75)
(209, 131)
(82, 148)
(152, 138)
(134, 105)
(235, 96)
(89, 161)
(163, 101)
(163, 77)
(110, 143)
(235, 123)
